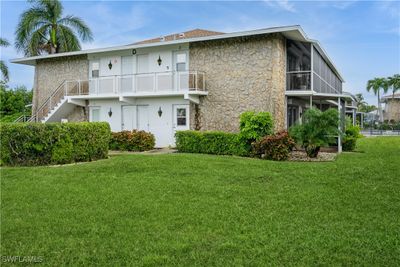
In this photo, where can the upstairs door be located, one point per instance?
(181, 117)
(129, 118)
(181, 70)
(125, 82)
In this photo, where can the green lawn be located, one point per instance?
(187, 210)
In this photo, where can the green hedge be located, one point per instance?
(132, 141)
(30, 144)
(212, 142)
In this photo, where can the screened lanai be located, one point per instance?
(312, 81)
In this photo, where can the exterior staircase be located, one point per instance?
(57, 105)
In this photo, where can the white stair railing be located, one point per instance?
(66, 88)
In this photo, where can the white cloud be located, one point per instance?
(344, 4)
(282, 4)
(390, 7)
(112, 27)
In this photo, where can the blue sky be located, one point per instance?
(362, 37)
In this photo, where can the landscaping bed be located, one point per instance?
(298, 155)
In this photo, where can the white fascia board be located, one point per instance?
(32, 60)
(300, 36)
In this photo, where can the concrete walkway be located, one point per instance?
(157, 151)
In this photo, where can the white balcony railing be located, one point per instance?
(159, 82)
(156, 82)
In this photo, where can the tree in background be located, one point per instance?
(3, 66)
(42, 28)
(362, 105)
(376, 85)
(394, 83)
(13, 101)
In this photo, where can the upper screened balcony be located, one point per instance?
(308, 71)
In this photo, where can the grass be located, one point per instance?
(204, 210)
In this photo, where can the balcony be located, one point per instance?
(298, 81)
(157, 83)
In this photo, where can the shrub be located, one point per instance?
(254, 126)
(132, 141)
(350, 137)
(317, 129)
(212, 142)
(274, 147)
(30, 144)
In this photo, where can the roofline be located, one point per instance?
(392, 96)
(32, 60)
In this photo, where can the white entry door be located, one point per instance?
(129, 118)
(181, 117)
(143, 118)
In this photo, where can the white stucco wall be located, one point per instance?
(162, 127)
(166, 53)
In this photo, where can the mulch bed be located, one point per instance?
(302, 156)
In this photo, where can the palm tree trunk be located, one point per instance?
(380, 108)
(52, 49)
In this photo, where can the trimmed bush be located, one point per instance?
(255, 125)
(30, 144)
(274, 147)
(350, 137)
(132, 141)
(211, 142)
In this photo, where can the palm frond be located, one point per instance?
(67, 40)
(30, 21)
(4, 42)
(79, 26)
(4, 70)
(41, 25)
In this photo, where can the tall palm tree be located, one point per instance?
(394, 83)
(3, 66)
(42, 28)
(376, 85)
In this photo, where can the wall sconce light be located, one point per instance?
(159, 60)
(110, 65)
(159, 112)
(110, 113)
(134, 52)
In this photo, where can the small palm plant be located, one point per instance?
(42, 28)
(316, 130)
(3, 66)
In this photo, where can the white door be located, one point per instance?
(143, 118)
(181, 117)
(180, 68)
(129, 118)
(125, 82)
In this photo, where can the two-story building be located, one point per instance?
(198, 79)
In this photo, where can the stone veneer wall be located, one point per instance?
(246, 73)
(51, 73)
(392, 110)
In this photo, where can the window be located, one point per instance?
(94, 114)
(181, 116)
(180, 62)
(95, 69)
